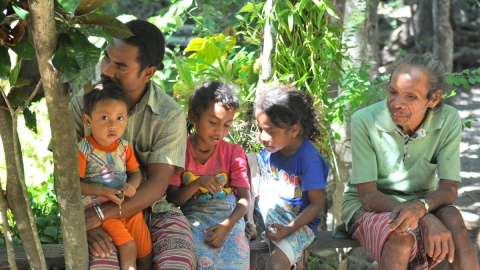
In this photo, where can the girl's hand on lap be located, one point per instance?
(276, 231)
(216, 234)
(211, 183)
(250, 230)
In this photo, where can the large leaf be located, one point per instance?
(30, 119)
(24, 49)
(109, 24)
(4, 63)
(12, 78)
(96, 32)
(85, 76)
(21, 82)
(64, 59)
(87, 6)
(86, 54)
(3, 6)
(17, 98)
(22, 13)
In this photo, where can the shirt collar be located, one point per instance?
(148, 98)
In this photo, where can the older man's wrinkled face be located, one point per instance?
(407, 97)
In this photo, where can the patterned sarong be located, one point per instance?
(172, 241)
(372, 230)
(172, 244)
(234, 252)
(294, 244)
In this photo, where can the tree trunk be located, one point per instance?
(6, 229)
(362, 41)
(355, 37)
(443, 37)
(423, 26)
(266, 65)
(67, 184)
(372, 38)
(17, 195)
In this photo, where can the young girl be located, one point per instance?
(213, 191)
(292, 173)
(108, 171)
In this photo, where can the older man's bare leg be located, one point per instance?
(465, 252)
(396, 251)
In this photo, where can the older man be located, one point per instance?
(406, 171)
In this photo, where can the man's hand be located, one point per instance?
(406, 215)
(437, 239)
(99, 243)
(218, 232)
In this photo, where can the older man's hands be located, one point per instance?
(406, 216)
(437, 239)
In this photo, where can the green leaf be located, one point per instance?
(30, 119)
(3, 6)
(85, 76)
(86, 54)
(4, 62)
(21, 82)
(290, 22)
(109, 24)
(87, 6)
(51, 231)
(22, 13)
(46, 240)
(96, 32)
(64, 59)
(41, 221)
(24, 49)
(12, 78)
(249, 7)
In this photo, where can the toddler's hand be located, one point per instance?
(250, 230)
(218, 234)
(112, 195)
(211, 183)
(129, 190)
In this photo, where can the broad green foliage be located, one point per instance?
(76, 56)
(45, 211)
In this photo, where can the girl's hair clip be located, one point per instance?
(98, 87)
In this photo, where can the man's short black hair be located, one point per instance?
(150, 42)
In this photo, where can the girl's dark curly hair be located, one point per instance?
(287, 106)
(103, 92)
(209, 93)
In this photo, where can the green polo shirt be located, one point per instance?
(156, 129)
(378, 155)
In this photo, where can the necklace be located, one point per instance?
(195, 147)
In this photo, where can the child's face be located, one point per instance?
(108, 121)
(275, 138)
(213, 125)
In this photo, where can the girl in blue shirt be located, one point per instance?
(292, 173)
